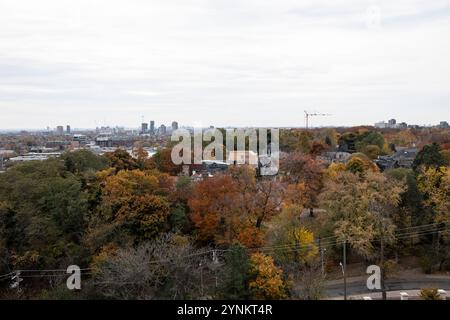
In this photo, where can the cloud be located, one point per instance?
(224, 62)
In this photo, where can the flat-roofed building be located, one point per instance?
(243, 157)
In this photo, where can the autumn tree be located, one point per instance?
(134, 207)
(304, 169)
(295, 196)
(360, 208)
(404, 138)
(372, 151)
(266, 281)
(121, 160)
(333, 170)
(302, 248)
(228, 208)
(430, 294)
(360, 164)
(215, 210)
(446, 156)
(296, 141)
(317, 148)
(163, 162)
(143, 161)
(434, 184)
(295, 250)
(268, 199)
(260, 198)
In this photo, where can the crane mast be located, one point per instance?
(313, 114)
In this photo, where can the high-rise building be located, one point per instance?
(144, 127)
(174, 125)
(444, 125)
(68, 130)
(392, 123)
(152, 127)
(60, 130)
(162, 129)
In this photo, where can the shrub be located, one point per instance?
(430, 294)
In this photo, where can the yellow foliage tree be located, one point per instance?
(133, 207)
(267, 279)
(435, 185)
(333, 170)
(302, 240)
(361, 165)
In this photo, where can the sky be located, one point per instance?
(223, 62)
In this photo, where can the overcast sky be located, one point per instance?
(223, 62)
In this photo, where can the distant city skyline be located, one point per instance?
(223, 63)
(139, 127)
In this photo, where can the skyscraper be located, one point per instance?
(144, 127)
(392, 123)
(60, 130)
(68, 130)
(152, 127)
(174, 125)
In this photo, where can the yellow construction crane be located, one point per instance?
(313, 114)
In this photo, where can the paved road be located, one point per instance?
(357, 286)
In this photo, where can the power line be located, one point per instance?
(282, 248)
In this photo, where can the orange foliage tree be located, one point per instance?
(304, 169)
(214, 210)
(228, 208)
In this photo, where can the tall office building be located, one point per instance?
(392, 123)
(152, 127)
(162, 129)
(68, 129)
(144, 127)
(174, 125)
(60, 130)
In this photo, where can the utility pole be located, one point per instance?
(344, 267)
(16, 282)
(383, 288)
(321, 261)
(322, 250)
(201, 279)
(382, 274)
